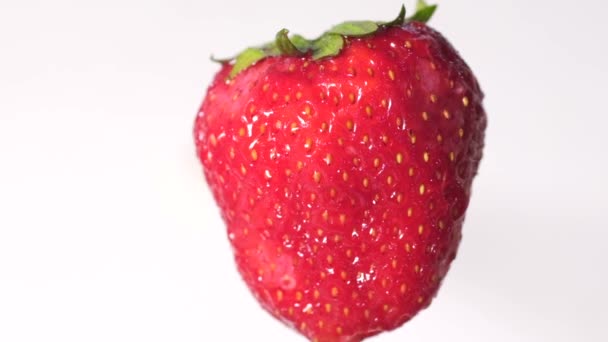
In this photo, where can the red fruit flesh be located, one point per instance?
(344, 182)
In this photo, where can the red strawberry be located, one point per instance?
(343, 168)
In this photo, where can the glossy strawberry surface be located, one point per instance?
(344, 181)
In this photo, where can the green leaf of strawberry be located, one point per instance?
(327, 45)
(343, 167)
(355, 28)
(424, 11)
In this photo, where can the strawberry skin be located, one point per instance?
(344, 181)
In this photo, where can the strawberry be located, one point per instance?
(342, 167)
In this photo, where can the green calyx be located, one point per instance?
(329, 44)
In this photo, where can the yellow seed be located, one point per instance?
(446, 114)
(316, 176)
(265, 87)
(461, 132)
(279, 295)
(330, 259)
(254, 155)
(386, 307)
(334, 291)
(339, 330)
(422, 189)
(408, 44)
(452, 156)
(420, 229)
(411, 171)
(370, 72)
(377, 162)
(426, 156)
(342, 218)
(368, 110)
(345, 176)
(320, 232)
(465, 101)
(350, 125)
(307, 110)
(308, 143)
(394, 263)
(346, 311)
(389, 180)
(316, 294)
(213, 140)
(399, 158)
(391, 75)
(425, 116)
(433, 98)
(351, 98)
(298, 95)
(403, 288)
(410, 212)
(299, 296)
(408, 248)
(243, 170)
(439, 138)
(343, 275)
(365, 182)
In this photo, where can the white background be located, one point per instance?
(109, 233)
